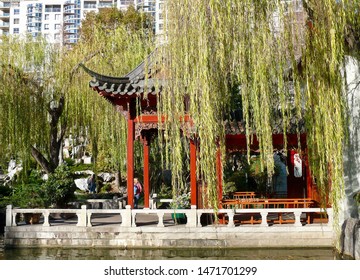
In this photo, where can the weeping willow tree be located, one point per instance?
(285, 64)
(45, 97)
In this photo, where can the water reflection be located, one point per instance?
(151, 254)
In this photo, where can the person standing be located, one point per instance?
(137, 192)
(92, 183)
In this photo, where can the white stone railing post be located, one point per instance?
(297, 215)
(89, 224)
(153, 201)
(330, 217)
(264, 215)
(8, 215)
(231, 215)
(192, 217)
(46, 218)
(198, 224)
(126, 217)
(161, 219)
(14, 224)
(81, 217)
(133, 219)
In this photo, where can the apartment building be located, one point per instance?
(59, 20)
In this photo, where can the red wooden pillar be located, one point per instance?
(219, 175)
(193, 187)
(146, 145)
(130, 162)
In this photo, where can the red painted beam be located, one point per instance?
(147, 119)
(155, 119)
(238, 141)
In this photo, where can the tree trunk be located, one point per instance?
(55, 138)
(117, 180)
(50, 165)
(41, 160)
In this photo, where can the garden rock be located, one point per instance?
(81, 184)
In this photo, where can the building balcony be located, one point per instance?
(73, 29)
(4, 15)
(52, 10)
(34, 14)
(33, 27)
(72, 22)
(33, 20)
(72, 3)
(70, 39)
(72, 17)
(5, 6)
(34, 31)
(105, 4)
(90, 6)
(70, 10)
(4, 25)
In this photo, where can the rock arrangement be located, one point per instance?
(350, 238)
(13, 169)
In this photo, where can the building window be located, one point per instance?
(16, 20)
(57, 36)
(161, 27)
(57, 26)
(47, 16)
(46, 26)
(16, 11)
(16, 30)
(57, 16)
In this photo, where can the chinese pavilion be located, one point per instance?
(127, 95)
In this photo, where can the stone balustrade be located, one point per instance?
(194, 216)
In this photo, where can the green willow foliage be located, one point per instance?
(287, 66)
(35, 75)
(22, 118)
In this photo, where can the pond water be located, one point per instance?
(155, 254)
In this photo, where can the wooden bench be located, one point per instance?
(256, 203)
(243, 195)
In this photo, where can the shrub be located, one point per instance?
(181, 201)
(29, 193)
(59, 188)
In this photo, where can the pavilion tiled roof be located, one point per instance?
(139, 81)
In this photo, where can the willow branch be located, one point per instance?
(86, 59)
